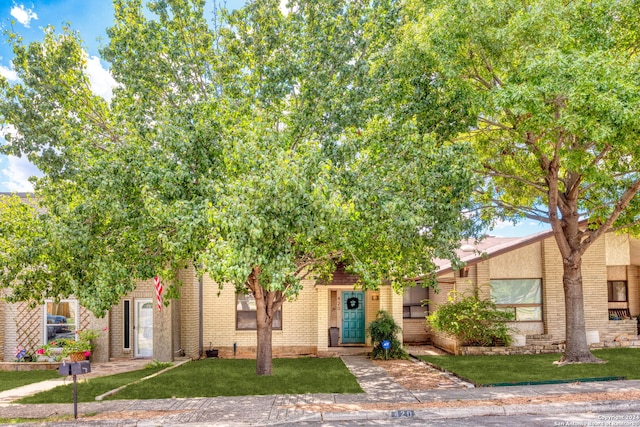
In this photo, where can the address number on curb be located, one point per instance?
(403, 414)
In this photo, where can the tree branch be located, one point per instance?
(495, 173)
(620, 206)
(496, 124)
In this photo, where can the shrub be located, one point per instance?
(472, 320)
(384, 328)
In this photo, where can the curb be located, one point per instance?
(479, 411)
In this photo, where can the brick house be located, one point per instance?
(205, 318)
(325, 316)
(525, 275)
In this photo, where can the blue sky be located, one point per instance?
(91, 18)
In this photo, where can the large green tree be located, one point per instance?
(548, 94)
(256, 146)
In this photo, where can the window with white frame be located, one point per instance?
(412, 302)
(60, 320)
(521, 296)
(246, 314)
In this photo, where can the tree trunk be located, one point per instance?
(577, 350)
(264, 355)
(267, 303)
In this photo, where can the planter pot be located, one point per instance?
(77, 357)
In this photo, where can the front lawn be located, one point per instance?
(88, 389)
(487, 370)
(217, 377)
(15, 379)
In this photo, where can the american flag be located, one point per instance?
(158, 285)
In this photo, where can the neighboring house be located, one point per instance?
(525, 275)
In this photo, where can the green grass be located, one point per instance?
(14, 379)
(88, 389)
(485, 370)
(217, 377)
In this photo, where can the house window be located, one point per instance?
(617, 290)
(412, 301)
(60, 320)
(521, 296)
(126, 332)
(246, 314)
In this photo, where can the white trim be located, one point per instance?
(138, 302)
(50, 334)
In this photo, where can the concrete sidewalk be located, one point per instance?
(383, 399)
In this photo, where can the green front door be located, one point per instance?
(352, 317)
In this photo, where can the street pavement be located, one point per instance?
(384, 402)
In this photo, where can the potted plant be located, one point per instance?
(51, 350)
(80, 348)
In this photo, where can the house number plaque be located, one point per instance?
(403, 413)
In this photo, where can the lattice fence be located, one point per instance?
(28, 327)
(85, 319)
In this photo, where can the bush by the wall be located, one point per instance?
(385, 328)
(472, 320)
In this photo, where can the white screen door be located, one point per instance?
(144, 328)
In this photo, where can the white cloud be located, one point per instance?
(7, 130)
(8, 73)
(15, 176)
(22, 15)
(102, 82)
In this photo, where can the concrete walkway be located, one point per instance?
(382, 400)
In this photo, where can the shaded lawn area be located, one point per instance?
(14, 379)
(486, 370)
(216, 377)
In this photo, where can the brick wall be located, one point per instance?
(3, 327)
(188, 331)
(552, 290)
(299, 327)
(594, 282)
(414, 331)
(144, 289)
(633, 289)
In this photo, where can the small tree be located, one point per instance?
(384, 328)
(472, 320)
